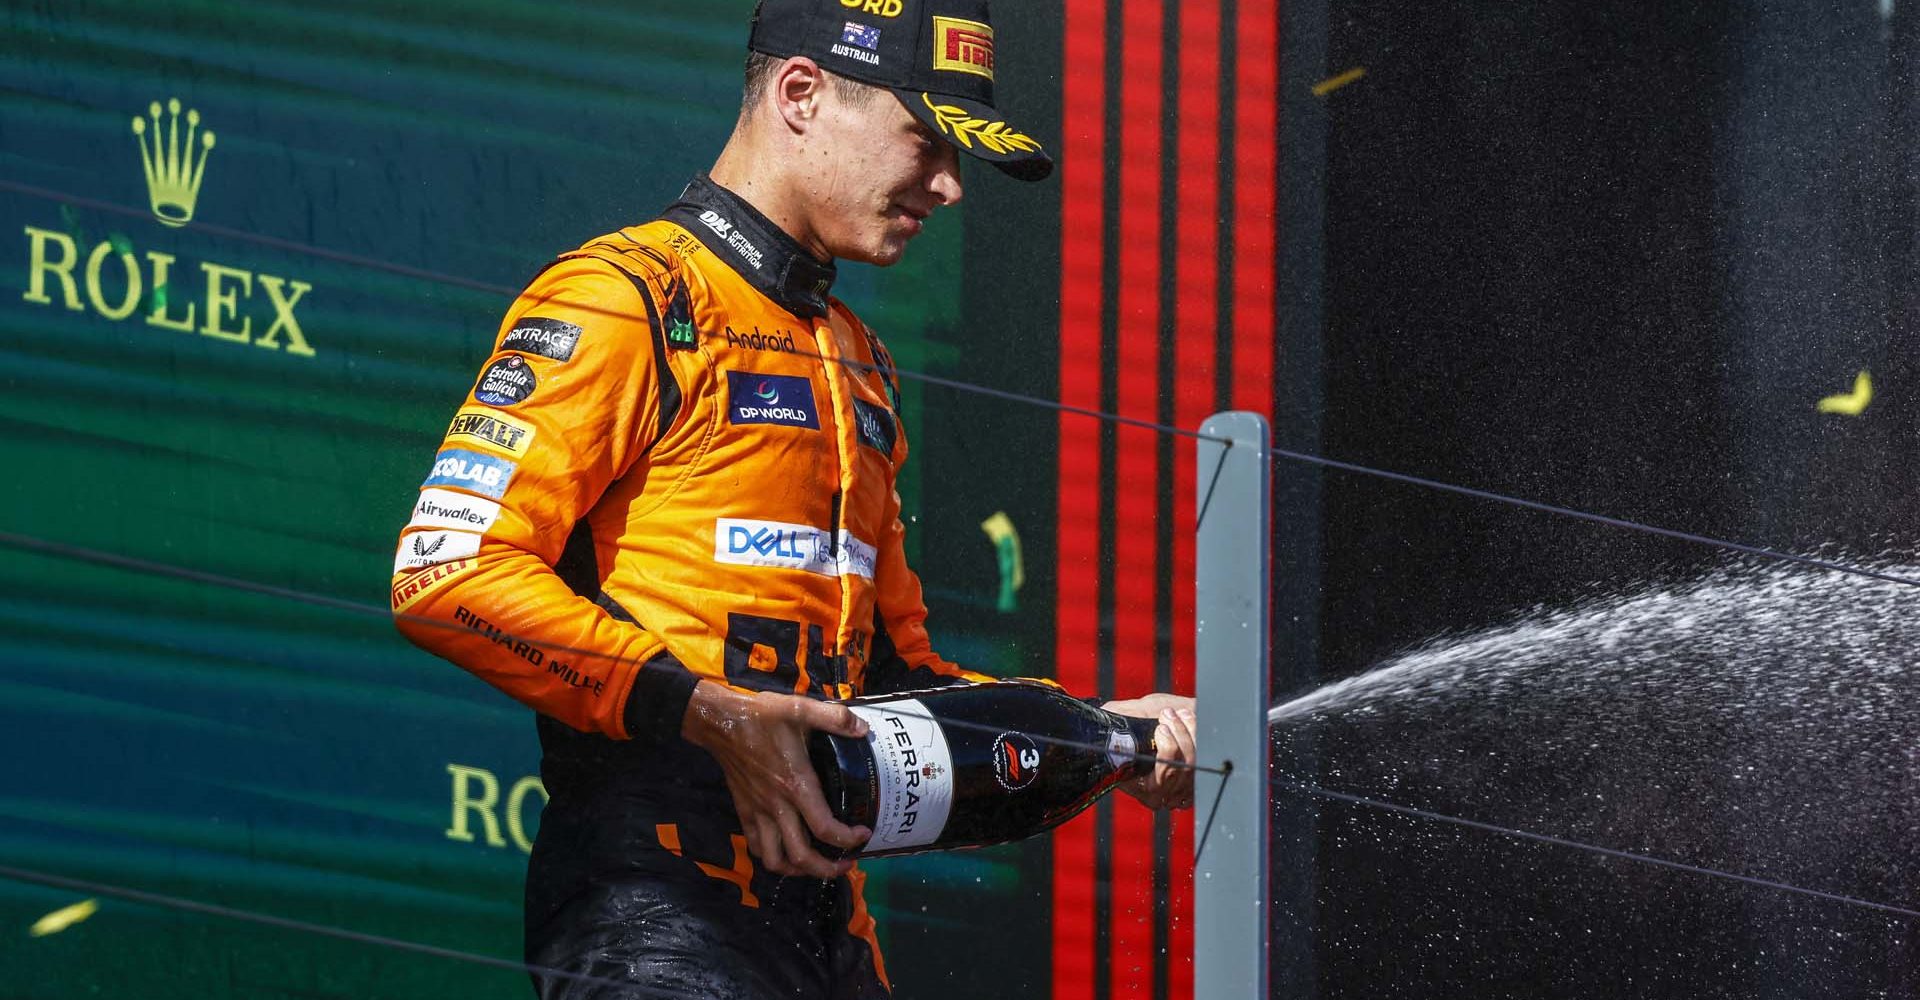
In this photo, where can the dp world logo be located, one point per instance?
(754, 398)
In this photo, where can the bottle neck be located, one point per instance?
(1129, 741)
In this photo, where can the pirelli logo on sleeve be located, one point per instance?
(492, 429)
(408, 590)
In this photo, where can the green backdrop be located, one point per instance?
(256, 395)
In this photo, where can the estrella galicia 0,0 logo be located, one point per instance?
(505, 382)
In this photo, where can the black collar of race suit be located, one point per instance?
(762, 252)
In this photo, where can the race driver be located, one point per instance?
(665, 519)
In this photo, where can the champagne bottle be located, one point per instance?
(961, 767)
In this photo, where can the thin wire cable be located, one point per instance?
(510, 293)
(287, 923)
(1361, 800)
(1580, 515)
(1220, 466)
(423, 274)
(1226, 772)
(80, 554)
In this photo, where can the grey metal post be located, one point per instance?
(1232, 570)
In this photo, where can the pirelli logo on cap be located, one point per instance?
(491, 428)
(962, 46)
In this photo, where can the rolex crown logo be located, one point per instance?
(173, 172)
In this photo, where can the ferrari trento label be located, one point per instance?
(914, 769)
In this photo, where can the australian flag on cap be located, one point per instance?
(862, 35)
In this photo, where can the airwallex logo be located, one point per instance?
(753, 398)
(777, 544)
(114, 281)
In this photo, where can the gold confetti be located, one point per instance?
(64, 917)
(1331, 84)
(1013, 565)
(1851, 403)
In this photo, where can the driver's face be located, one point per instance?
(881, 173)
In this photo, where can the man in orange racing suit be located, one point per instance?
(665, 519)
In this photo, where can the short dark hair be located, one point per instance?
(760, 67)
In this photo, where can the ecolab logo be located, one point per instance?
(471, 470)
(777, 544)
(736, 241)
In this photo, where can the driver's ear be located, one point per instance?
(799, 86)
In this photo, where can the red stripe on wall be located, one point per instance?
(1137, 575)
(1256, 141)
(1195, 307)
(1082, 157)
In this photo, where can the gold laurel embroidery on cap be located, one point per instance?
(965, 128)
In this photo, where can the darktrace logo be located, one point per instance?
(1016, 761)
(549, 338)
(786, 400)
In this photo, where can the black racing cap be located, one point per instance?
(935, 55)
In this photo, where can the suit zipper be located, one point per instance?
(833, 530)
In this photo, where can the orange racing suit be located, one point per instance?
(678, 464)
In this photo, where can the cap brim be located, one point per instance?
(980, 131)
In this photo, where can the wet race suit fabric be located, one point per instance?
(661, 476)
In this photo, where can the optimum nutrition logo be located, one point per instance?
(735, 239)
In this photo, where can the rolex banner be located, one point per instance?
(253, 261)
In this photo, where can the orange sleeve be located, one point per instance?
(568, 402)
